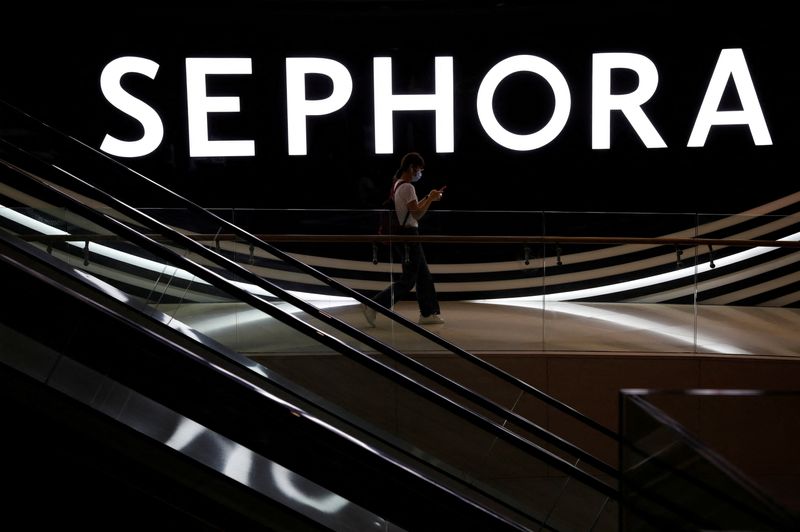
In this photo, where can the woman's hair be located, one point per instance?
(409, 159)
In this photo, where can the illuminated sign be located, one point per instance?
(731, 65)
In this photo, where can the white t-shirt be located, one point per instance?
(403, 194)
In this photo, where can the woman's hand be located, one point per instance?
(436, 195)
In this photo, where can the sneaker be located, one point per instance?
(433, 319)
(370, 314)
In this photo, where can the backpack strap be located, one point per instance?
(391, 197)
(396, 184)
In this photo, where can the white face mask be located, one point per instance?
(417, 176)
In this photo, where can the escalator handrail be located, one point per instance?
(290, 409)
(230, 265)
(408, 324)
(332, 342)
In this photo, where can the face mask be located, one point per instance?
(417, 176)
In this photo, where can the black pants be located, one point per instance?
(415, 273)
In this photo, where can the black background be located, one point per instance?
(52, 63)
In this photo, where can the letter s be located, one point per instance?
(151, 122)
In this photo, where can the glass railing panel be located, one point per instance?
(747, 293)
(88, 247)
(150, 279)
(702, 472)
(495, 275)
(645, 284)
(322, 296)
(462, 271)
(608, 289)
(347, 263)
(755, 431)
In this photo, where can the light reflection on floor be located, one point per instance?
(488, 327)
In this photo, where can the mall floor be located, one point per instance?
(513, 326)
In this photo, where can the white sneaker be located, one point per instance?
(369, 313)
(433, 319)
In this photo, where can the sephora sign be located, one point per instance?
(731, 66)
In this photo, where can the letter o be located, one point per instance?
(512, 65)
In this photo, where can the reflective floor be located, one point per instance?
(513, 326)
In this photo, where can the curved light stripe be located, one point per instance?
(560, 296)
(648, 281)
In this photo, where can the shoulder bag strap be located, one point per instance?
(394, 189)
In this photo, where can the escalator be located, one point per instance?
(245, 258)
(480, 456)
(115, 419)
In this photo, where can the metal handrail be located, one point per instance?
(449, 239)
(326, 339)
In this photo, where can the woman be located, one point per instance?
(409, 210)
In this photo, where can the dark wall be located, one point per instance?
(52, 64)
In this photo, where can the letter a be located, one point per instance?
(731, 63)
